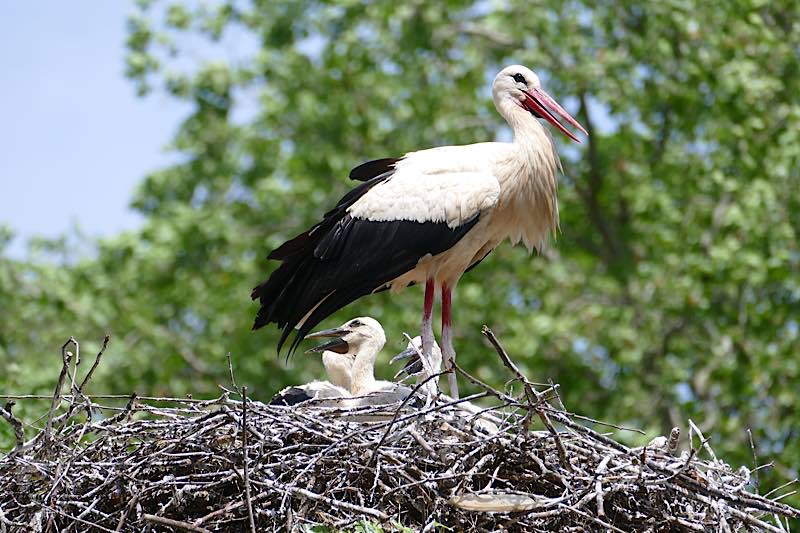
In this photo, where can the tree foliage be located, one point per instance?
(672, 290)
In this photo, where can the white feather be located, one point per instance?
(451, 197)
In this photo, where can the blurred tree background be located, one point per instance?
(672, 290)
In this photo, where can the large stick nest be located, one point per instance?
(232, 464)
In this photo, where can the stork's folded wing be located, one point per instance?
(450, 197)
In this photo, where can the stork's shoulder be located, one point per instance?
(478, 157)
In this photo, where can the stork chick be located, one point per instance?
(417, 365)
(362, 338)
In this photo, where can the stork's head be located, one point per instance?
(412, 354)
(521, 87)
(352, 336)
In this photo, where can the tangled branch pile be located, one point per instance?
(159, 464)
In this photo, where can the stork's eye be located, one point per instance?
(519, 78)
(356, 323)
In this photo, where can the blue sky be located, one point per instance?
(75, 139)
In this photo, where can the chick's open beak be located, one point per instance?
(336, 344)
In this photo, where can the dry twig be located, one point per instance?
(16, 423)
(245, 459)
(188, 464)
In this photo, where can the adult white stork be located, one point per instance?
(426, 217)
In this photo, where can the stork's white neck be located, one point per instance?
(338, 367)
(531, 138)
(363, 373)
(528, 178)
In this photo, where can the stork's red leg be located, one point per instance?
(427, 322)
(448, 352)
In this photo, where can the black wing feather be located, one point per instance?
(370, 169)
(297, 244)
(342, 259)
(291, 396)
(362, 257)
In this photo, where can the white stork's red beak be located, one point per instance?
(538, 102)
